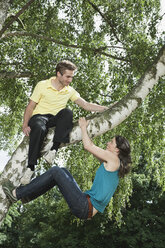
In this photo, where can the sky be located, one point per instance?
(4, 157)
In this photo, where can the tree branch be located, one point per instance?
(105, 19)
(16, 17)
(12, 74)
(37, 36)
(10, 63)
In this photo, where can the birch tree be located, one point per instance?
(98, 125)
(113, 44)
(4, 6)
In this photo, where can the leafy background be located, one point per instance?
(111, 56)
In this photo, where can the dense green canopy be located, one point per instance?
(112, 43)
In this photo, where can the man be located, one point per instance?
(47, 108)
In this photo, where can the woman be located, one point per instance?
(115, 163)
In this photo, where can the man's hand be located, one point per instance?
(26, 130)
(83, 123)
(27, 115)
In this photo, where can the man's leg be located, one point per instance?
(64, 125)
(38, 132)
(63, 122)
(38, 125)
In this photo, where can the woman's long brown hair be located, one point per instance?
(124, 155)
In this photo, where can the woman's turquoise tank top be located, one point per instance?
(103, 188)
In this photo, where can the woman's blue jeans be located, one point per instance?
(75, 198)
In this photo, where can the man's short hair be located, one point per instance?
(65, 65)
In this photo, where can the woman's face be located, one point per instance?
(111, 145)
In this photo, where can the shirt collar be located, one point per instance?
(49, 85)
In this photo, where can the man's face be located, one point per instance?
(66, 78)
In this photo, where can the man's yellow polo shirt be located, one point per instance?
(49, 100)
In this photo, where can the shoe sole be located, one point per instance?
(9, 195)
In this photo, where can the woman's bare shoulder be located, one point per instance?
(113, 163)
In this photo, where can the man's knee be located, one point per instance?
(67, 113)
(39, 126)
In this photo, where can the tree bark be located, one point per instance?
(2, 30)
(4, 6)
(98, 125)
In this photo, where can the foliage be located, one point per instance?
(127, 33)
(47, 222)
(112, 43)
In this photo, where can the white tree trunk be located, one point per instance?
(4, 6)
(99, 124)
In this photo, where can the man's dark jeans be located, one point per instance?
(75, 198)
(39, 124)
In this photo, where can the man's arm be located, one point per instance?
(90, 106)
(27, 115)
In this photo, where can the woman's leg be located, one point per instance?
(73, 195)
